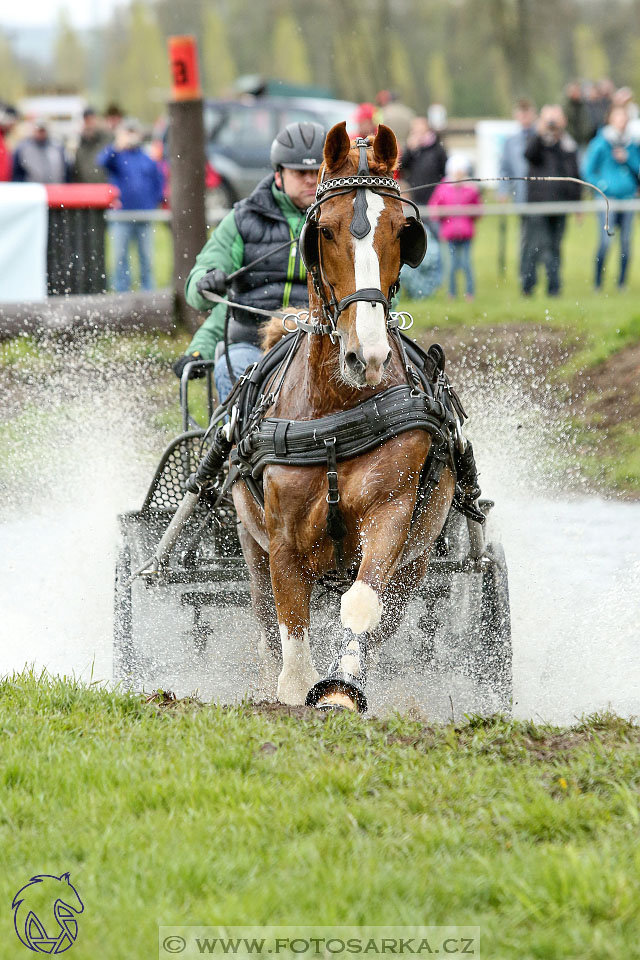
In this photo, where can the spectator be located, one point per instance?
(437, 117)
(512, 160)
(458, 230)
(579, 121)
(366, 120)
(423, 161)
(139, 180)
(612, 163)
(38, 159)
(113, 117)
(551, 152)
(93, 139)
(598, 102)
(396, 115)
(7, 121)
(624, 98)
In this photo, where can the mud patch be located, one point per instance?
(529, 350)
(610, 392)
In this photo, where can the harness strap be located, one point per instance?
(368, 294)
(354, 431)
(360, 226)
(336, 527)
(395, 321)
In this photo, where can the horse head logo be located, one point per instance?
(44, 914)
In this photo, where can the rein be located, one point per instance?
(584, 183)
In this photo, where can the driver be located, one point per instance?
(271, 215)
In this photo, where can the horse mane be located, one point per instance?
(271, 332)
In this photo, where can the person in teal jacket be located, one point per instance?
(271, 217)
(612, 163)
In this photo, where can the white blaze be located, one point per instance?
(371, 326)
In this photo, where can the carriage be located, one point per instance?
(189, 626)
(333, 491)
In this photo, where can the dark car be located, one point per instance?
(238, 136)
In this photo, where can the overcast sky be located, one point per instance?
(40, 13)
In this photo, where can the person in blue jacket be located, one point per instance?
(139, 180)
(612, 163)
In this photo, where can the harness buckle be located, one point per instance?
(229, 427)
(403, 319)
(294, 317)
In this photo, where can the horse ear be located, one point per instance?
(385, 147)
(337, 146)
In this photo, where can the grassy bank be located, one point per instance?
(262, 816)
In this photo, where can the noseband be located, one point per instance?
(412, 250)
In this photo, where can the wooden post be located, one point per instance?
(187, 162)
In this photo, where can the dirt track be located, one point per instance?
(604, 397)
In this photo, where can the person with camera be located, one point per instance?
(272, 215)
(612, 163)
(550, 152)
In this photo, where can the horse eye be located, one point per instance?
(326, 233)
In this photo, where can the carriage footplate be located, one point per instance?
(343, 687)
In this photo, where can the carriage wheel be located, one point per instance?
(123, 653)
(494, 654)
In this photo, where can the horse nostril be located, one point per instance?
(354, 362)
(387, 361)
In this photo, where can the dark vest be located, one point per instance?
(261, 224)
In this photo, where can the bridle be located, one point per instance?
(412, 250)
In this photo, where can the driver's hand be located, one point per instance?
(215, 281)
(195, 373)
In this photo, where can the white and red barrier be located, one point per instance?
(35, 240)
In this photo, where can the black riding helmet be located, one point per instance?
(299, 147)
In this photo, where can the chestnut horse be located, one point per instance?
(286, 546)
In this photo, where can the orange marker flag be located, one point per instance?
(183, 57)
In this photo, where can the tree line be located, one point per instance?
(475, 56)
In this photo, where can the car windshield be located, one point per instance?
(250, 127)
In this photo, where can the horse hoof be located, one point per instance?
(336, 700)
(332, 693)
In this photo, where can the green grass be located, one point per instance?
(231, 816)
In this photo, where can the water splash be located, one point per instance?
(89, 453)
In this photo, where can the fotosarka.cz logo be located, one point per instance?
(44, 914)
(310, 942)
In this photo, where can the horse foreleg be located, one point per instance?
(397, 594)
(385, 536)
(292, 593)
(264, 608)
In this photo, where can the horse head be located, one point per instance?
(354, 244)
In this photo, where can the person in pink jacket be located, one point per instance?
(457, 230)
